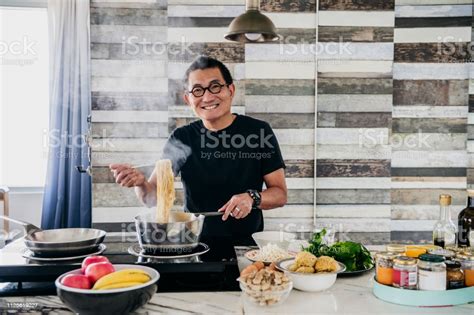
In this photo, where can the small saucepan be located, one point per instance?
(60, 242)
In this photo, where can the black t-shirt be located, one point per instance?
(214, 166)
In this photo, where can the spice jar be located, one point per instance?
(414, 251)
(384, 267)
(405, 273)
(431, 273)
(396, 248)
(467, 265)
(454, 275)
(455, 249)
(446, 253)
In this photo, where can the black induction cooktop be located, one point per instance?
(215, 270)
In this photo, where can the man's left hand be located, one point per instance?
(239, 206)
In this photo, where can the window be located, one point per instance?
(24, 94)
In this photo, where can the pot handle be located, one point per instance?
(29, 228)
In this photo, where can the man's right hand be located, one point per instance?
(127, 176)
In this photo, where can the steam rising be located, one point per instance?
(177, 152)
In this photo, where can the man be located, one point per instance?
(223, 158)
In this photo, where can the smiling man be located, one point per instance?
(223, 158)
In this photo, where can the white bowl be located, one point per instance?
(310, 282)
(279, 238)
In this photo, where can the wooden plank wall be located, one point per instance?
(130, 99)
(354, 117)
(280, 89)
(378, 78)
(266, 83)
(430, 98)
(470, 125)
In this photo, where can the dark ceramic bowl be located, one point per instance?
(115, 301)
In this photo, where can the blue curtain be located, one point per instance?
(67, 196)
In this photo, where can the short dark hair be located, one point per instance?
(206, 62)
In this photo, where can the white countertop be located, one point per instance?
(347, 296)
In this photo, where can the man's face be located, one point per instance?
(209, 106)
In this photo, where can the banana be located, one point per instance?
(120, 285)
(122, 276)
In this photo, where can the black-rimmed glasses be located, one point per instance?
(214, 88)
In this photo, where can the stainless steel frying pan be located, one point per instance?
(60, 242)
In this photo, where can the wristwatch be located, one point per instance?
(255, 195)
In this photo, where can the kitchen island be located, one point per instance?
(348, 296)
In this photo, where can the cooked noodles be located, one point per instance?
(165, 193)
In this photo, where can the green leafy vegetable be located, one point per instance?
(354, 255)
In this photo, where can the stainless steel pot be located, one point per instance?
(180, 235)
(60, 242)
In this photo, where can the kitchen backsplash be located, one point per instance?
(391, 124)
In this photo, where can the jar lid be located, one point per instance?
(456, 249)
(395, 248)
(386, 255)
(465, 256)
(442, 252)
(451, 264)
(431, 258)
(415, 252)
(404, 260)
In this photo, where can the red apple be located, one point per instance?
(92, 260)
(98, 270)
(77, 281)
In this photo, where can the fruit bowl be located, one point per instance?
(111, 301)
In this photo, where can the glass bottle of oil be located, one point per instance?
(444, 231)
(466, 223)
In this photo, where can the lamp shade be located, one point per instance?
(252, 27)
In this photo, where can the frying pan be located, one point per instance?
(60, 242)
